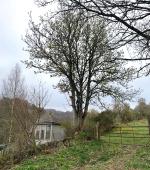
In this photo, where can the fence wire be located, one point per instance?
(130, 135)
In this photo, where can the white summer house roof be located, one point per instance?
(47, 118)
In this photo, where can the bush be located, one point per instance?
(86, 134)
(69, 129)
(105, 121)
(127, 115)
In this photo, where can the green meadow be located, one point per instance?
(99, 154)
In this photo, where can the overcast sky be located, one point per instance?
(13, 24)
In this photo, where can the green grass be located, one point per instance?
(95, 155)
(141, 159)
(130, 133)
(78, 154)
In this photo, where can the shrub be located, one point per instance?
(86, 134)
(127, 115)
(69, 129)
(105, 121)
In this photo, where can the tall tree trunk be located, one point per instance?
(79, 122)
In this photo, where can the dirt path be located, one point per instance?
(118, 162)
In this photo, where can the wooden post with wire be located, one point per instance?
(121, 134)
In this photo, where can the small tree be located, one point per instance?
(23, 107)
(127, 113)
(144, 110)
(141, 108)
(123, 112)
(76, 49)
(38, 97)
(104, 122)
(13, 88)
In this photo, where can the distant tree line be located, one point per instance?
(120, 113)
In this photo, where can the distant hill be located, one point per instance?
(60, 116)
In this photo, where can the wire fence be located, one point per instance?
(129, 135)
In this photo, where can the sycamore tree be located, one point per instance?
(128, 22)
(76, 49)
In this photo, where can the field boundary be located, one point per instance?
(128, 135)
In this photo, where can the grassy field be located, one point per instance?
(94, 155)
(135, 132)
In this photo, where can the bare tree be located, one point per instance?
(13, 87)
(28, 113)
(24, 108)
(143, 110)
(128, 24)
(39, 97)
(76, 49)
(19, 110)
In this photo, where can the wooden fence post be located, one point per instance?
(121, 134)
(133, 135)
